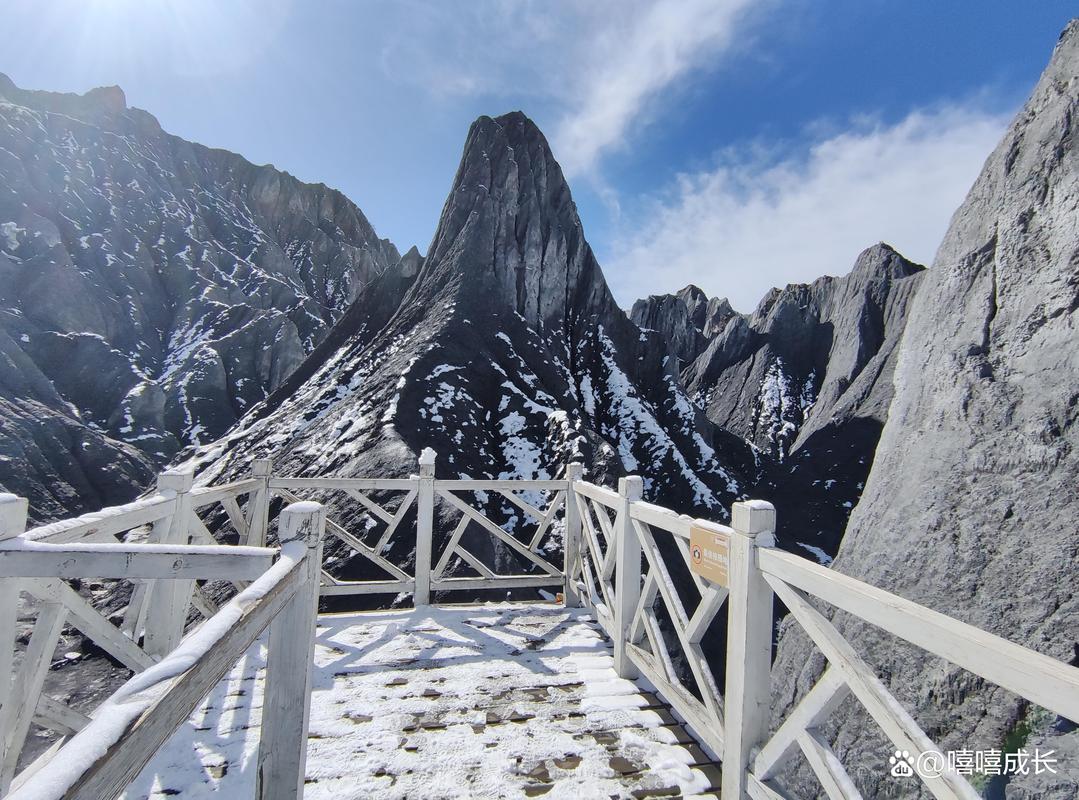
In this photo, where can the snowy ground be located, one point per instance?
(481, 701)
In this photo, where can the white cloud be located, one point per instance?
(599, 65)
(639, 54)
(756, 220)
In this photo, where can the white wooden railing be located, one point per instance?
(628, 561)
(625, 591)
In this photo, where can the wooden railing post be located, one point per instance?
(167, 600)
(259, 508)
(425, 517)
(746, 700)
(286, 707)
(627, 578)
(13, 512)
(571, 544)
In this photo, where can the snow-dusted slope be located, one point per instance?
(151, 291)
(807, 378)
(508, 356)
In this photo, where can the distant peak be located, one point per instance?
(882, 258)
(692, 293)
(95, 104)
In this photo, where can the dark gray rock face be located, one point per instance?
(688, 320)
(507, 354)
(151, 290)
(971, 504)
(807, 379)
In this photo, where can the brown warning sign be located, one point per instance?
(709, 555)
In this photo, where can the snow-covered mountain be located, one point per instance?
(807, 378)
(151, 291)
(508, 355)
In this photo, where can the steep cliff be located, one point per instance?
(971, 503)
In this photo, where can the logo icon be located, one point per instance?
(901, 764)
(695, 553)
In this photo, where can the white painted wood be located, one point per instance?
(498, 533)
(236, 517)
(548, 517)
(203, 496)
(694, 655)
(90, 622)
(13, 511)
(398, 518)
(362, 484)
(258, 503)
(17, 714)
(9, 609)
(43, 759)
(425, 517)
(747, 699)
(135, 561)
(57, 716)
(168, 600)
(107, 522)
(202, 603)
(598, 493)
(496, 485)
(451, 547)
(627, 573)
(827, 767)
(525, 506)
(1043, 680)
(370, 505)
(765, 790)
(818, 705)
(571, 542)
(474, 562)
(282, 754)
(685, 704)
(712, 600)
(366, 587)
(598, 561)
(498, 582)
(371, 554)
(162, 706)
(645, 601)
(893, 719)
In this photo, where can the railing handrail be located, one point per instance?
(132, 725)
(1038, 678)
(607, 536)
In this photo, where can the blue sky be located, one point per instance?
(737, 144)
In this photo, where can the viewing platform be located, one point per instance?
(628, 653)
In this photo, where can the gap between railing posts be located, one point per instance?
(425, 517)
(282, 756)
(627, 576)
(747, 695)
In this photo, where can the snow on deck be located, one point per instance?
(485, 701)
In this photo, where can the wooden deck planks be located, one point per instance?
(503, 700)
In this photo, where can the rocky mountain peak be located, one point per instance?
(510, 226)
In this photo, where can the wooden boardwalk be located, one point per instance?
(491, 701)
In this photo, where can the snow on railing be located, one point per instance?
(165, 566)
(110, 750)
(738, 566)
(656, 581)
